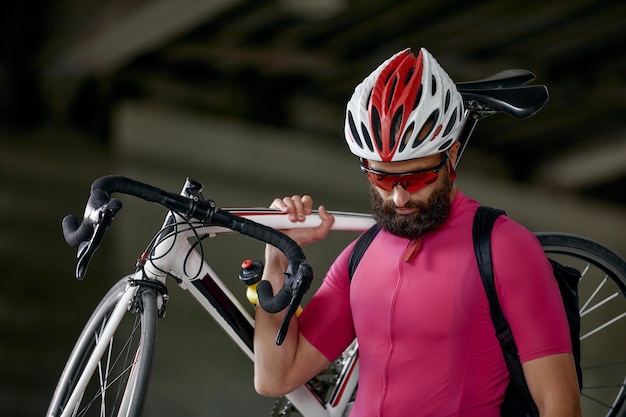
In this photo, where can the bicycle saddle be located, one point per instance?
(505, 91)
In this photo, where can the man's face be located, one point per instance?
(412, 214)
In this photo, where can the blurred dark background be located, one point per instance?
(248, 97)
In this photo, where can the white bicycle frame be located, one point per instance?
(175, 254)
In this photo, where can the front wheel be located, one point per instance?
(108, 371)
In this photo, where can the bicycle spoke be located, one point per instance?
(592, 296)
(126, 372)
(604, 365)
(597, 401)
(77, 406)
(603, 326)
(106, 369)
(98, 394)
(104, 378)
(604, 386)
(600, 304)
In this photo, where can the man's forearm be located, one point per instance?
(272, 363)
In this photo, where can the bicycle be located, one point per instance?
(99, 379)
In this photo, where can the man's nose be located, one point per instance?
(400, 196)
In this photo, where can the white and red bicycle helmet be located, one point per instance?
(407, 108)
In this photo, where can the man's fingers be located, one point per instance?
(278, 204)
(327, 221)
(297, 207)
(307, 203)
(298, 212)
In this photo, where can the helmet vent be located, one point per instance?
(433, 90)
(354, 131)
(427, 128)
(446, 145)
(447, 103)
(451, 123)
(376, 128)
(407, 135)
(369, 98)
(418, 98)
(395, 127)
(388, 77)
(409, 75)
(368, 139)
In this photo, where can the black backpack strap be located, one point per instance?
(360, 247)
(484, 220)
(483, 224)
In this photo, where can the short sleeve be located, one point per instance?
(528, 292)
(326, 321)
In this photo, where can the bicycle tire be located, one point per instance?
(602, 290)
(119, 385)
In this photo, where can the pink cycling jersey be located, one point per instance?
(426, 340)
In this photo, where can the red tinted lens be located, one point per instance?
(411, 182)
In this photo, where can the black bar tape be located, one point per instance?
(269, 302)
(73, 232)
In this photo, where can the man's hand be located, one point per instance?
(298, 207)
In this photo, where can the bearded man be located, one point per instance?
(416, 303)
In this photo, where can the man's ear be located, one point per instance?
(453, 152)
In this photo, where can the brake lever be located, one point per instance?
(299, 286)
(88, 248)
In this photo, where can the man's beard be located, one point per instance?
(428, 216)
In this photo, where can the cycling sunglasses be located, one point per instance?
(411, 181)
